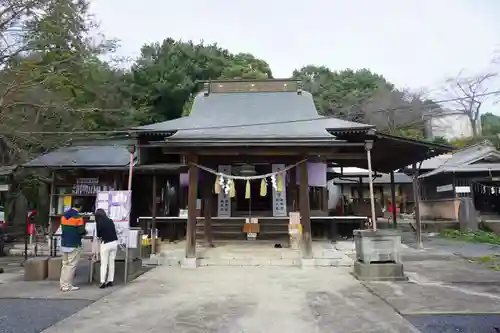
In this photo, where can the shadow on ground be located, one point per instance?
(31, 307)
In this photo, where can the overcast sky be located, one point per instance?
(413, 43)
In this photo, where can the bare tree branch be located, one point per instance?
(469, 94)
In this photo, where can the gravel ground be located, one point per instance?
(456, 323)
(35, 315)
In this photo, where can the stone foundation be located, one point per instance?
(54, 268)
(36, 269)
(379, 272)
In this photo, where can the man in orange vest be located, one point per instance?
(73, 229)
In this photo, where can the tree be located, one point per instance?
(340, 93)
(48, 74)
(469, 94)
(397, 112)
(366, 97)
(490, 124)
(165, 76)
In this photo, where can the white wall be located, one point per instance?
(451, 126)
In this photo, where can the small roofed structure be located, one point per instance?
(470, 172)
(89, 154)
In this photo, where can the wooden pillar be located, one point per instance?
(207, 211)
(305, 212)
(153, 216)
(416, 199)
(393, 200)
(192, 197)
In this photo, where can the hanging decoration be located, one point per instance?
(232, 188)
(225, 182)
(263, 187)
(279, 180)
(490, 189)
(273, 182)
(217, 185)
(247, 189)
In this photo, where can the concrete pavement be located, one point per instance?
(445, 293)
(239, 299)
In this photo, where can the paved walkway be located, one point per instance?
(240, 299)
(445, 293)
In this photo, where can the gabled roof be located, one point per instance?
(469, 160)
(89, 154)
(253, 115)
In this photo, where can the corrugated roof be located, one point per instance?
(244, 116)
(433, 163)
(464, 159)
(90, 154)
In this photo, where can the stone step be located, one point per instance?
(256, 262)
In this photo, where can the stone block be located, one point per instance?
(54, 266)
(377, 245)
(308, 263)
(133, 268)
(36, 269)
(379, 272)
(189, 263)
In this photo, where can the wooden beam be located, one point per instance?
(305, 212)
(192, 197)
(207, 210)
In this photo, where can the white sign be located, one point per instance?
(444, 188)
(117, 206)
(462, 189)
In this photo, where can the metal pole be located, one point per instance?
(393, 200)
(416, 199)
(129, 187)
(369, 145)
(130, 169)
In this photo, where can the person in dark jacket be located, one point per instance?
(106, 232)
(73, 229)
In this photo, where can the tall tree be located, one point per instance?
(340, 93)
(47, 78)
(165, 76)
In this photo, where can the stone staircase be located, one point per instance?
(252, 253)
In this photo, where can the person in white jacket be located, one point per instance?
(106, 232)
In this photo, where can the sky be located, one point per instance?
(413, 43)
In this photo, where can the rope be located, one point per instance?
(217, 173)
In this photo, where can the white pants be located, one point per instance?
(108, 255)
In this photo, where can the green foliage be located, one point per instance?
(479, 236)
(490, 124)
(165, 76)
(340, 93)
